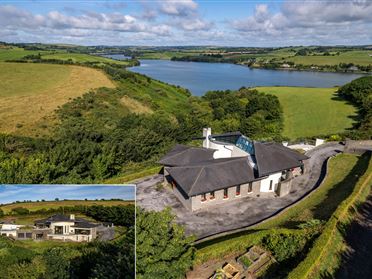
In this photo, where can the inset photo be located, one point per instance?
(67, 231)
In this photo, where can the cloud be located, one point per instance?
(178, 8)
(311, 21)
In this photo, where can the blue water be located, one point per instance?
(201, 77)
(20, 192)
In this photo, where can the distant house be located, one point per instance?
(65, 228)
(9, 230)
(227, 167)
(56, 227)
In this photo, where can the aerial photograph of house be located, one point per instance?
(72, 223)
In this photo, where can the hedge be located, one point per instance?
(342, 216)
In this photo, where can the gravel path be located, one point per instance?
(242, 213)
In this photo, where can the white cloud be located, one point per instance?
(311, 22)
(178, 8)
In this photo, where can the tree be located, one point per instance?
(163, 250)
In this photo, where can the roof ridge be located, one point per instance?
(217, 163)
(196, 179)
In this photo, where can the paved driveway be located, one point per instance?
(242, 213)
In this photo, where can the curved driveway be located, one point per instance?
(245, 211)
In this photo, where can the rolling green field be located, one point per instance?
(312, 111)
(359, 57)
(29, 93)
(80, 57)
(32, 206)
(17, 53)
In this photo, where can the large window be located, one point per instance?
(271, 185)
(225, 193)
(238, 190)
(250, 187)
(58, 230)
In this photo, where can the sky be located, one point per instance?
(188, 22)
(12, 193)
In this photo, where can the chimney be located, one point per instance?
(72, 217)
(206, 133)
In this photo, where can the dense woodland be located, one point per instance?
(111, 259)
(359, 92)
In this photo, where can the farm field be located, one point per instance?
(29, 93)
(312, 111)
(32, 206)
(81, 57)
(17, 53)
(358, 57)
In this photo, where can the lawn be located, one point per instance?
(29, 93)
(344, 172)
(312, 111)
(32, 206)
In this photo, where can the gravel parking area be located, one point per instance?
(245, 211)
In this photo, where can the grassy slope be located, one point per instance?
(312, 111)
(32, 206)
(343, 174)
(29, 93)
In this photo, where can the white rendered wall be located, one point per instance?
(265, 183)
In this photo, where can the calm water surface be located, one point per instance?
(201, 77)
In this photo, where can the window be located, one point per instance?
(211, 195)
(271, 185)
(250, 187)
(225, 193)
(238, 190)
(203, 197)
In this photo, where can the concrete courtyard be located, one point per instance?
(241, 213)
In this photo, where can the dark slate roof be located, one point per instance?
(274, 157)
(59, 218)
(182, 155)
(212, 175)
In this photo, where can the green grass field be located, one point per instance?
(32, 206)
(312, 111)
(29, 93)
(80, 57)
(359, 57)
(17, 53)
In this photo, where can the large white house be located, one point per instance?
(56, 227)
(229, 166)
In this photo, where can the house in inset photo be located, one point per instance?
(229, 166)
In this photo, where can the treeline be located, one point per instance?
(120, 215)
(95, 260)
(256, 115)
(359, 92)
(37, 58)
